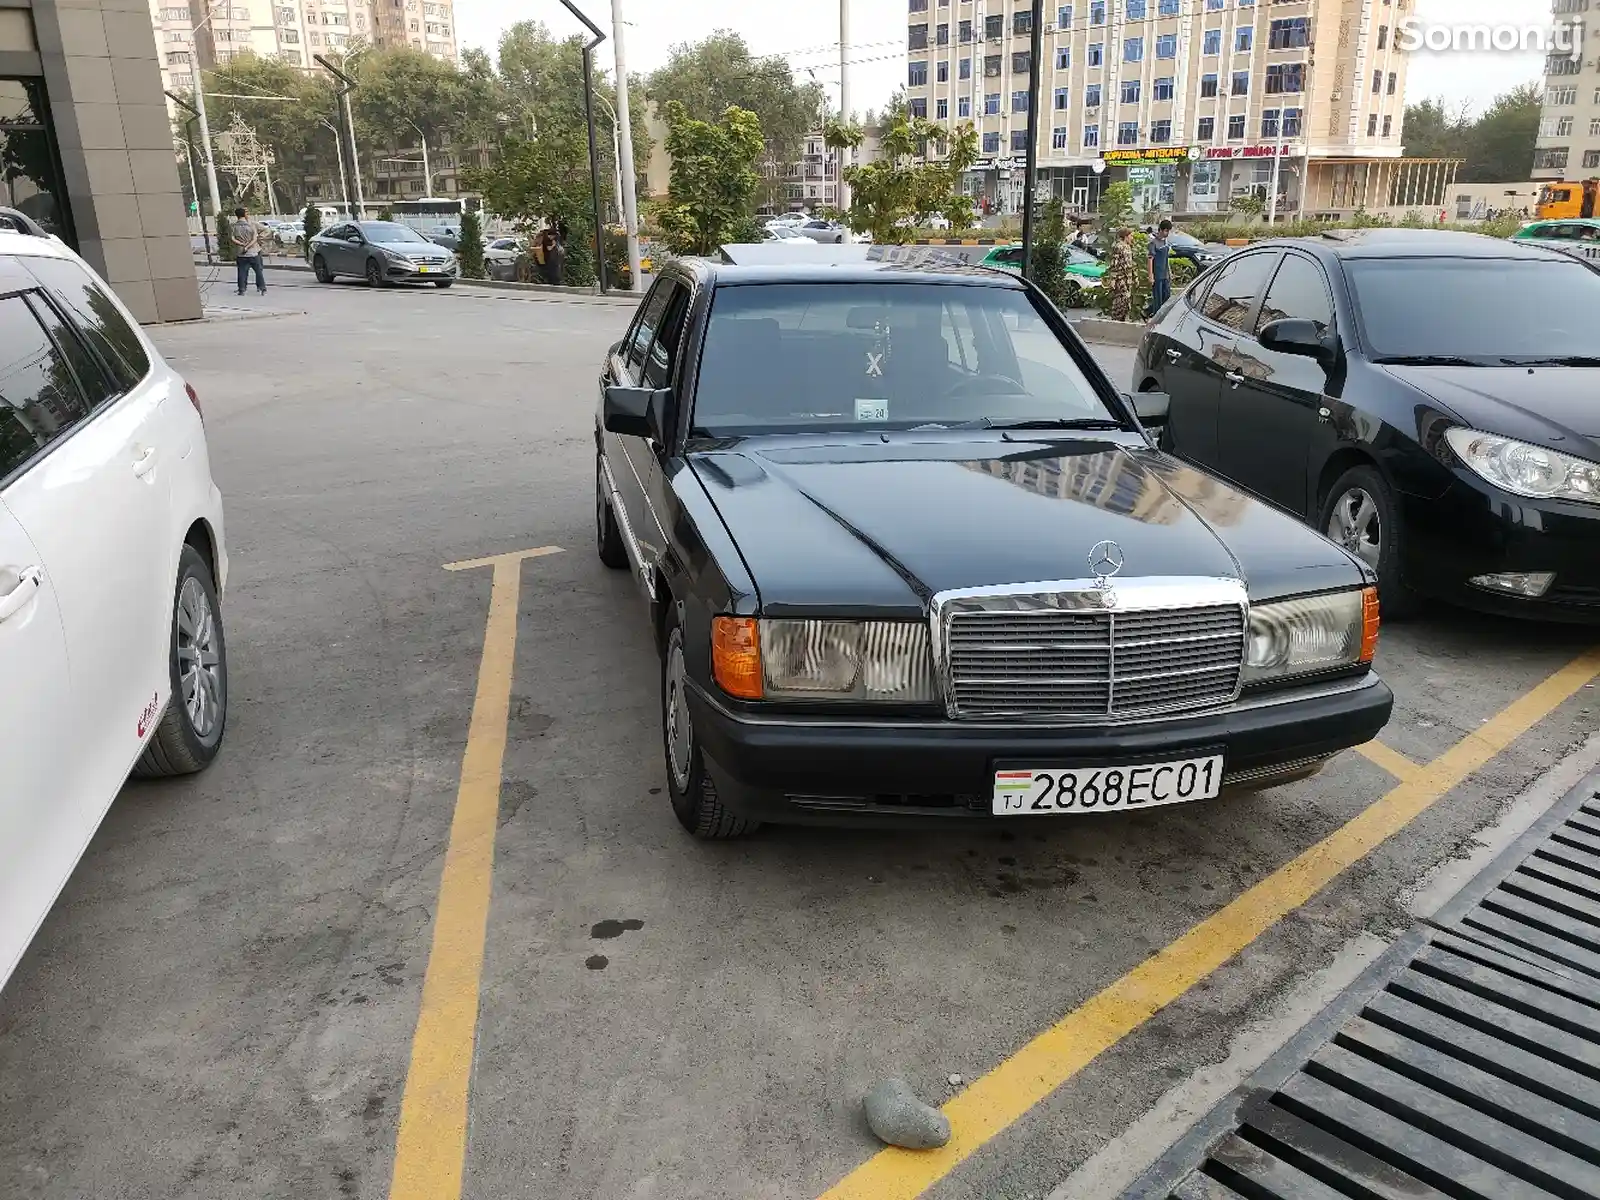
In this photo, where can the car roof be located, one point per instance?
(13, 242)
(1396, 242)
(1591, 222)
(784, 262)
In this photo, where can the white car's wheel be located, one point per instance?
(189, 734)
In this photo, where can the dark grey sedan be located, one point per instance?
(381, 252)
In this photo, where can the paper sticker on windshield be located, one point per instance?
(872, 410)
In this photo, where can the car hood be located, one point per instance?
(1550, 406)
(862, 528)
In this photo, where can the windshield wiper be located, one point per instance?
(1041, 423)
(1569, 360)
(1429, 360)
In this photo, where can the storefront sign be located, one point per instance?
(1146, 156)
(1287, 150)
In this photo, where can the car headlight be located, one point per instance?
(1525, 470)
(885, 661)
(1311, 635)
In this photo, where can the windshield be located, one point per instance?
(1477, 309)
(382, 231)
(803, 356)
(1081, 258)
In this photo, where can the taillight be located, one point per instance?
(194, 399)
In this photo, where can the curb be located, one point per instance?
(1109, 332)
(962, 242)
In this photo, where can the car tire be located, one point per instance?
(1072, 294)
(441, 284)
(189, 734)
(374, 273)
(1359, 513)
(319, 266)
(608, 534)
(694, 795)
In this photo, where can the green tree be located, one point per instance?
(1048, 265)
(714, 179)
(911, 182)
(225, 249)
(1502, 139)
(1116, 210)
(313, 223)
(1433, 131)
(403, 91)
(710, 76)
(289, 128)
(542, 179)
(469, 249)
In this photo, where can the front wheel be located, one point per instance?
(1359, 513)
(320, 266)
(607, 534)
(1072, 294)
(374, 273)
(694, 796)
(189, 734)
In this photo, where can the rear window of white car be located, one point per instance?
(106, 330)
(39, 398)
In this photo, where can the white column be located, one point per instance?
(844, 98)
(630, 209)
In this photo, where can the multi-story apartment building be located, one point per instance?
(1189, 100)
(1568, 145)
(293, 31)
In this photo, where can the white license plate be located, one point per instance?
(1079, 790)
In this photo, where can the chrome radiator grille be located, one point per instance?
(1049, 662)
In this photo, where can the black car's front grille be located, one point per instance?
(1046, 663)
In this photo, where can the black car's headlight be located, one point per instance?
(781, 659)
(1311, 635)
(1525, 470)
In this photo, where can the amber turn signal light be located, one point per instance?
(736, 656)
(1369, 624)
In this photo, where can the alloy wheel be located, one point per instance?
(680, 735)
(1355, 525)
(374, 276)
(199, 663)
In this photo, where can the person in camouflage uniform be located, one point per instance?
(1119, 275)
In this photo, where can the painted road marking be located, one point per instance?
(1390, 759)
(991, 1103)
(432, 1142)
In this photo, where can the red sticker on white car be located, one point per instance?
(148, 716)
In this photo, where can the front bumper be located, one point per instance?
(400, 273)
(831, 770)
(1474, 529)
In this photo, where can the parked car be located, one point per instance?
(1084, 271)
(910, 557)
(784, 233)
(1425, 397)
(1201, 254)
(823, 231)
(1578, 235)
(381, 252)
(112, 569)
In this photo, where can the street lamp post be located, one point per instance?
(616, 153)
(348, 86)
(338, 145)
(630, 211)
(427, 172)
(200, 113)
(188, 153)
(594, 158)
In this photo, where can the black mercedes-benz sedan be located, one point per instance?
(1430, 399)
(910, 557)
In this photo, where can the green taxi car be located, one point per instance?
(1084, 270)
(1575, 235)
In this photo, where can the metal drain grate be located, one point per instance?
(1464, 1065)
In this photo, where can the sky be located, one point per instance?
(807, 33)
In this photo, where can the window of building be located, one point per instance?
(1291, 122)
(919, 6)
(1167, 45)
(1205, 129)
(994, 26)
(1096, 53)
(991, 66)
(1211, 42)
(1160, 132)
(1241, 83)
(917, 37)
(1394, 80)
(1269, 122)
(1063, 16)
(1169, 8)
(1097, 12)
(1022, 21)
(1214, 5)
(991, 104)
(1388, 125)
(941, 109)
(1164, 88)
(1130, 91)
(1019, 102)
(1135, 10)
(1019, 139)
(1063, 57)
(1562, 64)
(1383, 37)
(1128, 133)
(1208, 86)
(917, 74)
(1021, 62)
(1551, 160)
(964, 69)
(1288, 78)
(1372, 124)
(963, 106)
(1594, 126)
(991, 143)
(941, 71)
(1377, 82)
(1060, 99)
(1244, 37)
(1236, 128)
(941, 35)
(1591, 158)
(1290, 34)
(964, 32)
(1133, 49)
(918, 106)
(1058, 138)
(1091, 136)
(1091, 96)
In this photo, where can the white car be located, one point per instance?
(112, 568)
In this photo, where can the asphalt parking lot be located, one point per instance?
(225, 1001)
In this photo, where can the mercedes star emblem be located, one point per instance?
(1105, 560)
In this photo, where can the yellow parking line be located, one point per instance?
(997, 1099)
(432, 1141)
(1390, 759)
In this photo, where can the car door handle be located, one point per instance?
(1174, 355)
(1324, 415)
(145, 463)
(1234, 378)
(13, 602)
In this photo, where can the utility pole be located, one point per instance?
(188, 153)
(616, 156)
(427, 173)
(1031, 163)
(348, 86)
(205, 127)
(338, 145)
(622, 130)
(843, 194)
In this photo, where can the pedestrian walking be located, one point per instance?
(555, 257)
(247, 252)
(1119, 274)
(1160, 267)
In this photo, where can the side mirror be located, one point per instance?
(637, 411)
(1149, 407)
(1296, 335)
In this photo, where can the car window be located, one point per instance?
(800, 356)
(1235, 289)
(338, 231)
(383, 231)
(98, 319)
(94, 381)
(663, 356)
(1011, 256)
(645, 327)
(1298, 290)
(39, 399)
(1479, 310)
